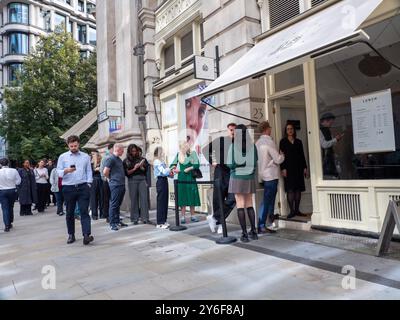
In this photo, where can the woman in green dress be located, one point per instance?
(188, 194)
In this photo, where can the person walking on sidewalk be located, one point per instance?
(136, 168)
(242, 160)
(27, 191)
(56, 189)
(106, 186)
(217, 152)
(161, 173)
(9, 180)
(76, 172)
(114, 171)
(269, 173)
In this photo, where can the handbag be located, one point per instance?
(196, 174)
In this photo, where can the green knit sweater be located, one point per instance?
(242, 167)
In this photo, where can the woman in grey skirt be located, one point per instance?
(242, 160)
(136, 168)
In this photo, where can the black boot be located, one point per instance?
(242, 220)
(252, 217)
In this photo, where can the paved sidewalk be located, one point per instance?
(142, 262)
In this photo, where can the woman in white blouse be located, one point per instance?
(41, 176)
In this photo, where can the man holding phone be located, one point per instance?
(75, 169)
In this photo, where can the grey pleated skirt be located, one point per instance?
(242, 186)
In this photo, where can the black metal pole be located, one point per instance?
(225, 239)
(217, 60)
(177, 226)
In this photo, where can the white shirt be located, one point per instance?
(39, 172)
(9, 178)
(324, 143)
(269, 159)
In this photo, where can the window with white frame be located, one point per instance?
(187, 45)
(169, 56)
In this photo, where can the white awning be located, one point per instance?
(91, 144)
(334, 25)
(82, 125)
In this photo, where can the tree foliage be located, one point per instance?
(55, 89)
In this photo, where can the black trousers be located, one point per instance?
(106, 200)
(42, 196)
(26, 210)
(96, 197)
(162, 199)
(228, 199)
(72, 195)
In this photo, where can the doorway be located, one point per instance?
(291, 108)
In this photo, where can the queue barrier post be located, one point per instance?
(177, 226)
(225, 239)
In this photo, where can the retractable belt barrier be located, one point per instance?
(216, 184)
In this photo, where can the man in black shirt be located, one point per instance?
(217, 153)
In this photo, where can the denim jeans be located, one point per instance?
(7, 199)
(270, 190)
(59, 201)
(117, 196)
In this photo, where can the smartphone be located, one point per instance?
(73, 166)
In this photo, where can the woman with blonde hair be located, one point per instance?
(188, 194)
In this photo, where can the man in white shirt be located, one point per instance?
(9, 179)
(269, 159)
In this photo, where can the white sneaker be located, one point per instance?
(212, 223)
(165, 226)
(220, 230)
(159, 226)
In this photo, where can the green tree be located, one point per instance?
(55, 89)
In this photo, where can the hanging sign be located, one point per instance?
(373, 125)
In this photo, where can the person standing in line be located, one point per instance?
(327, 143)
(161, 173)
(136, 168)
(51, 197)
(242, 160)
(114, 171)
(106, 186)
(41, 176)
(27, 191)
(188, 194)
(217, 152)
(268, 170)
(294, 169)
(56, 189)
(76, 172)
(9, 180)
(96, 194)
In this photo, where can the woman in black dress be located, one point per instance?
(294, 169)
(27, 193)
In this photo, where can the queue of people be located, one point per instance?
(80, 182)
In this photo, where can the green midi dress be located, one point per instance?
(188, 194)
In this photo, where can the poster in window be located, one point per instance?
(373, 125)
(196, 127)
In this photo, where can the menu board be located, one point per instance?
(373, 126)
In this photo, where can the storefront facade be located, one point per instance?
(333, 80)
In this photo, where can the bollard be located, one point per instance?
(177, 226)
(225, 239)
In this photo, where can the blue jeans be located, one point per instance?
(270, 190)
(117, 196)
(7, 199)
(59, 201)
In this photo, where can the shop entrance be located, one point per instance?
(291, 108)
